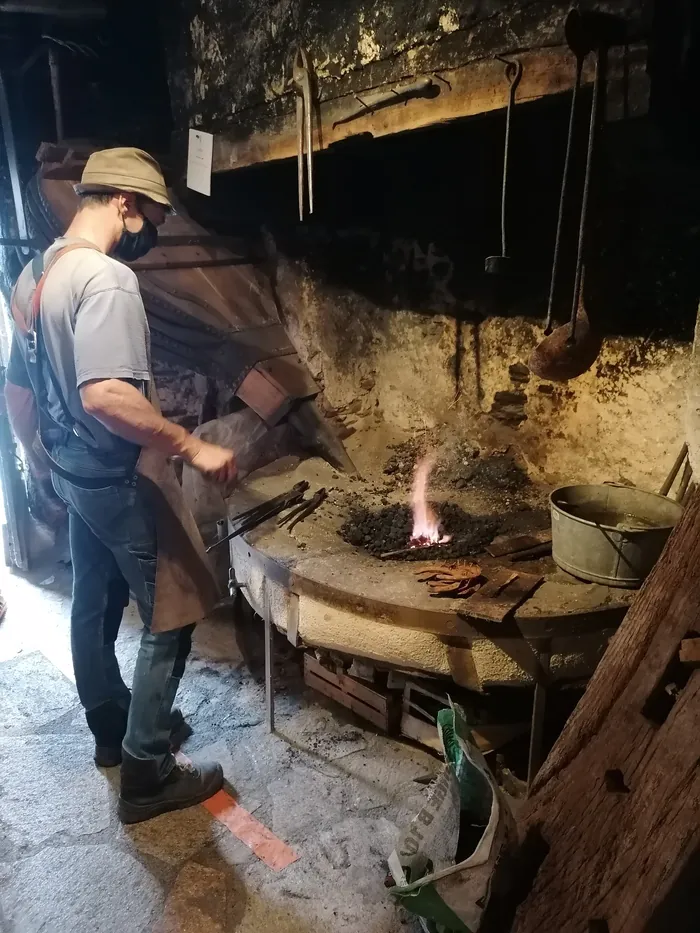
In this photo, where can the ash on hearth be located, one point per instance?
(389, 529)
(401, 463)
(459, 464)
(498, 471)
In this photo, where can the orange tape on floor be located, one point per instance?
(268, 848)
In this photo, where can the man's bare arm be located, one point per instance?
(125, 411)
(24, 421)
(21, 410)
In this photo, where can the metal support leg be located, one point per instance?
(269, 681)
(539, 704)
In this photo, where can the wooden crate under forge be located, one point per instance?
(379, 706)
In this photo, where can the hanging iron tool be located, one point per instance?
(499, 265)
(302, 84)
(371, 102)
(570, 350)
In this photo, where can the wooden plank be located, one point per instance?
(616, 805)
(533, 553)
(373, 698)
(291, 375)
(488, 738)
(412, 686)
(273, 384)
(324, 686)
(265, 396)
(511, 544)
(505, 591)
(407, 706)
(418, 730)
(475, 88)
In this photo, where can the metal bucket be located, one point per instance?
(610, 534)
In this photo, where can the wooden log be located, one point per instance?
(616, 807)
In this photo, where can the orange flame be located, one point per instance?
(426, 525)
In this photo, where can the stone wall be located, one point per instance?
(230, 59)
(621, 421)
(383, 288)
(385, 295)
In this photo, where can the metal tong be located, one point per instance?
(304, 509)
(301, 82)
(246, 521)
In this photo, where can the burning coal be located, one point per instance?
(426, 525)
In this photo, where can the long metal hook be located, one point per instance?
(513, 73)
(563, 193)
(593, 128)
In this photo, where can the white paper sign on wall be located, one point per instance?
(199, 161)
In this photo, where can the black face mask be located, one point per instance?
(133, 246)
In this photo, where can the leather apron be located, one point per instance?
(186, 589)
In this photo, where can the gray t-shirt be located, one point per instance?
(94, 327)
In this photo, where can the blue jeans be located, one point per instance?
(112, 540)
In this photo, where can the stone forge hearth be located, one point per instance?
(459, 500)
(336, 594)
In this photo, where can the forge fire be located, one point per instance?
(426, 524)
(422, 530)
(426, 527)
(390, 529)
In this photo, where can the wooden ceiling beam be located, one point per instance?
(475, 88)
(62, 9)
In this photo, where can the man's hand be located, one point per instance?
(213, 462)
(125, 411)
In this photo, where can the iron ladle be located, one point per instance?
(570, 350)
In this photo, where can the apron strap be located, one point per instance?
(37, 356)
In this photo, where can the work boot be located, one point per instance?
(144, 795)
(109, 755)
(108, 724)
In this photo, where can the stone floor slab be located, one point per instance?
(303, 798)
(49, 787)
(82, 889)
(172, 838)
(33, 693)
(333, 790)
(316, 731)
(337, 886)
(196, 902)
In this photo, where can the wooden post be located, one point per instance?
(616, 806)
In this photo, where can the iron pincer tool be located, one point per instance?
(301, 82)
(303, 510)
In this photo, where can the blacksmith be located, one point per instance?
(79, 386)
